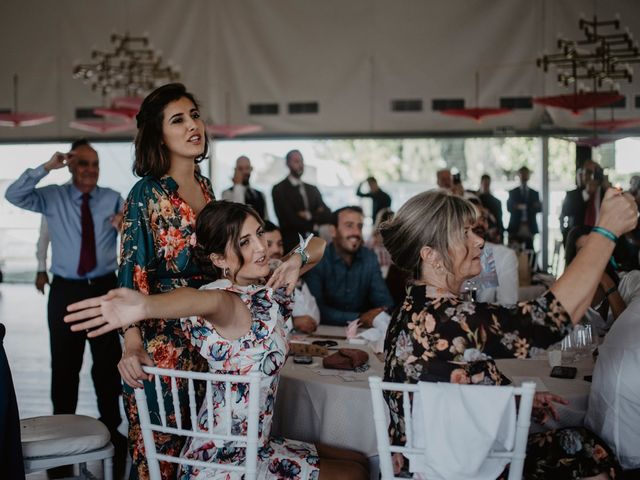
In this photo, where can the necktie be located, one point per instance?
(303, 194)
(590, 214)
(88, 247)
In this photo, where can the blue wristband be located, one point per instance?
(605, 233)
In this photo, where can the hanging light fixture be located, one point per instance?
(476, 113)
(129, 70)
(602, 56)
(132, 67)
(22, 119)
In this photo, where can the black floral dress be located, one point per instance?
(156, 256)
(436, 337)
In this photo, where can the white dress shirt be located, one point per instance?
(506, 293)
(614, 401)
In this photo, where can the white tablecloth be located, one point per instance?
(576, 390)
(325, 408)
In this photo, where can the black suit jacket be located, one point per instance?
(572, 213)
(252, 197)
(495, 207)
(573, 210)
(533, 206)
(287, 202)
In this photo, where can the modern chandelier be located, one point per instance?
(602, 56)
(131, 69)
(125, 74)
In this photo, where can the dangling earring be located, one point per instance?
(225, 272)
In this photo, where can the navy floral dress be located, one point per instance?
(437, 337)
(156, 256)
(262, 349)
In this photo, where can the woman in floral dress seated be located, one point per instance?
(435, 336)
(238, 324)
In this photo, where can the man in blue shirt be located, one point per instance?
(83, 221)
(347, 283)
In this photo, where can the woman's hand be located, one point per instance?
(134, 356)
(305, 324)
(398, 462)
(117, 309)
(287, 274)
(618, 212)
(543, 408)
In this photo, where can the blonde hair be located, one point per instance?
(434, 219)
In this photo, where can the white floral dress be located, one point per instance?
(263, 349)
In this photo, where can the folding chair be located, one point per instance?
(250, 440)
(56, 440)
(555, 258)
(385, 449)
(49, 441)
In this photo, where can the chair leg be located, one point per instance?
(108, 468)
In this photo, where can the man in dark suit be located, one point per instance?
(494, 205)
(242, 192)
(523, 204)
(298, 205)
(582, 205)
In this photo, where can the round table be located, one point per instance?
(318, 405)
(576, 390)
(334, 407)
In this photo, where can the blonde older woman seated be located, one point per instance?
(436, 336)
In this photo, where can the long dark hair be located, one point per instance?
(218, 225)
(151, 156)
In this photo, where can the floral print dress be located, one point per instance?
(156, 256)
(262, 349)
(437, 337)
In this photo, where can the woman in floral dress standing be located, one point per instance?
(157, 246)
(238, 326)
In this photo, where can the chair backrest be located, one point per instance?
(385, 449)
(252, 380)
(555, 258)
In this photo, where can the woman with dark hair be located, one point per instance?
(238, 324)
(435, 336)
(157, 244)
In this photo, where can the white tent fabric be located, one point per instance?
(352, 58)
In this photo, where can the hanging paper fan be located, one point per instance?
(476, 113)
(102, 126)
(22, 119)
(576, 102)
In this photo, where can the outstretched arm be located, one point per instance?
(122, 307)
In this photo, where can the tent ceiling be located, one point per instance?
(354, 59)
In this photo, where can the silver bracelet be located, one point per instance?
(301, 249)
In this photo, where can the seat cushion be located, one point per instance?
(61, 435)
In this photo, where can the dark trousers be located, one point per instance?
(67, 350)
(11, 465)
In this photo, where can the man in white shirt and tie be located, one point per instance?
(242, 192)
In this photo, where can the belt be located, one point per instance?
(86, 281)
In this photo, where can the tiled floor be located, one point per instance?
(23, 311)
